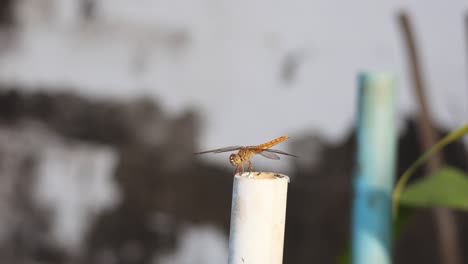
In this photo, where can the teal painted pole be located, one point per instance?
(374, 176)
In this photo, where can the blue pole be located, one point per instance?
(374, 175)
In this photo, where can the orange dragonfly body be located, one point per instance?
(245, 153)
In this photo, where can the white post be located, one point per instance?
(258, 216)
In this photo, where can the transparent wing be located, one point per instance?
(220, 150)
(279, 152)
(269, 155)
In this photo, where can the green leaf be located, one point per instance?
(447, 187)
(407, 174)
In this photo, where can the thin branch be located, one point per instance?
(445, 220)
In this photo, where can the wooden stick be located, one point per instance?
(445, 220)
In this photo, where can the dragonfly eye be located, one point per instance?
(233, 159)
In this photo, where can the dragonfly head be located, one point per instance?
(235, 159)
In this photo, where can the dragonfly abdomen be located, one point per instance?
(272, 143)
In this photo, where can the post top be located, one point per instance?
(257, 175)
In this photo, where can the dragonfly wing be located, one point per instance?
(279, 152)
(269, 155)
(220, 150)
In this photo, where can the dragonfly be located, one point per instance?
(245, 153)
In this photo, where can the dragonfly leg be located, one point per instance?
(240, 169)
(250, 168)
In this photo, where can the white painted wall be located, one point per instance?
(230, 62)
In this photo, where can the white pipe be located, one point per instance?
(258, 216)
